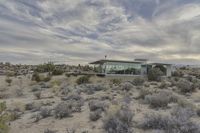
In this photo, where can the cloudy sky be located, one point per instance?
(80, 31)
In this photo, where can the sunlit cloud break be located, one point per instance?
(81, 31)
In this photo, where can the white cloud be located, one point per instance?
(86, 30)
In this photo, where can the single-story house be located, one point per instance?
(129, 68)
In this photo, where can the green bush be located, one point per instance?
(138, 81)
(47, 78)
(116, 81)
(4, 118)
(47, 67)
(57, 72)
(83, 80)
(8, 80)
(95, 115)
(36, 77)
(155, 74)
(2, 107)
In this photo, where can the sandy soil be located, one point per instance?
(79, 120)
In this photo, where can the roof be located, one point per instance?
(156, 63)
(144, 60)
(121, 61)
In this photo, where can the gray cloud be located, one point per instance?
(81, 31)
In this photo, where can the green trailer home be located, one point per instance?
(128, 68)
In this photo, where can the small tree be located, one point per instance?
(83, 80)
(9, 81)
(155, 74)
(57, 72)
(36, 77)
(47, 67)
(50, 67)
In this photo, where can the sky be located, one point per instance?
(81, 31)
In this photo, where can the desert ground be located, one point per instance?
(102, 104)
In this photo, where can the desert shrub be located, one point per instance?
(19, 92)
(96, 105)
(76, 105)
(144, 92)
(17, 106)
(198, 112)
(35, 88)
(4, 95)
(96, 87)
(4, 118)
(83, 80)
(155, 121)
(183, 112)
(2, 106)
(179, 121)
(196, 85)
(173, 81)
(190, 78)
(126, 86)
(65, 89)
(39, 78)
(37, 94)
(94, 116)
(185, 86)
(177, 74)
(47, 67)
(36, 77)
(116, 81)
(126, 99)
(57, 72)
(165, 84)
(75, 101)
(182, 121)
(73, 96)
(183, 102)
(14, 115)
(9, 81)
(63, 110)
(138, 81)
(37, 117)
(72, 130)
(56, 83)
(91, 88)
(68, 75)
(49, 131)
(88, 89)
(119, 122)
(155, 74)
(157, 100)
(29, 106)
(47, 78)
(44, 85)
(10, 73)
(45, 112)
